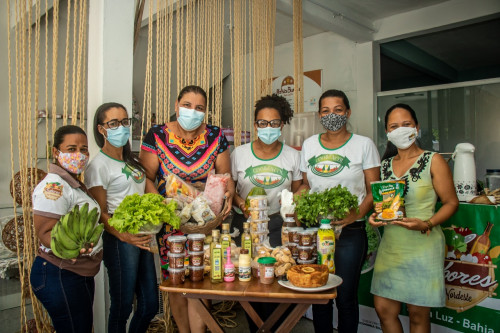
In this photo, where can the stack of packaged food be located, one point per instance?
(258, 219)
(176, 258)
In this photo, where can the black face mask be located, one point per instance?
(333, 122)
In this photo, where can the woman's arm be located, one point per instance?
(442, 181)
(43, 227)
(151, 164)
(223, 165)
(304, 186)
(296, 185)
(100, 195)
(371, 175)
(240, 203)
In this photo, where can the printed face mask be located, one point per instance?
(333, 122)
(118, 137)
(73, 162)
(403, 137)
(268, 135)
(190, 119)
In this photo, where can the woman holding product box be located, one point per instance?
(409, 265)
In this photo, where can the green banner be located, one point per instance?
(471, 275)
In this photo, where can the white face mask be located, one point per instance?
(403, 137)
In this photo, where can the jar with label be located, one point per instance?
(266, 269)
(288, 222)
(176, 260)
(196, 273)
(196, 258)
(293, 236)
(177, 275)
(492, 179)
(305, 252)
(244, 269)
(305, 237)
(177, 244)
(195, 242)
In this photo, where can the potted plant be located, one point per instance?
(334, 203)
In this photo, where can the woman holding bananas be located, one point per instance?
(65, 287)
(112, 175)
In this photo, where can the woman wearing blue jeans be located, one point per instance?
(339, 157)
(65, 287)
(113, 174)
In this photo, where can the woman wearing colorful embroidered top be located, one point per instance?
(111, 175)
(266, 158)
(409, 267)
(352, 161)
(64, 287)
(190, 149)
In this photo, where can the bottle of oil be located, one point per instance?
(216, 268)
(246, 239)
(215, 234)
(225, 239)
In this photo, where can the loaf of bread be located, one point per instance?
(308, 276)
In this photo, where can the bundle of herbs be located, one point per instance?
(335, 203)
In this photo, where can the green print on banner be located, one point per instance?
(322, 169)
(266, 176)
(136, 175)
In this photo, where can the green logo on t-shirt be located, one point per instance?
(327, 165)
(137, 175)
(266, 176)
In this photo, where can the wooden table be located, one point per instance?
(252, 291)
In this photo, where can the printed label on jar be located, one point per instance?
(196, 260)
(244, 273)
(269, 272)
(177, 247)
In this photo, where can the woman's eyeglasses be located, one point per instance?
(114, 124)
(261, 123)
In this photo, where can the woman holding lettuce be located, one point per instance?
(190, 149)
(112, 175)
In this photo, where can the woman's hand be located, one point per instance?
(229, 203)
(412, 223)
(350, 218)
(375, 223)
(141, 241)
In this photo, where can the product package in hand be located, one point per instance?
(287, 205)
(388, 199)
(215, 189)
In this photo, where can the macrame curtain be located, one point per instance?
(35, 97)
(252, 58)
(196, 28)
(298, 55)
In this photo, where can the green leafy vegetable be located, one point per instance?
(137, 211)
(455, 240)
(336, 202)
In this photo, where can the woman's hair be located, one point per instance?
(193, 89)
(335, 93)
(63, 131)
(391, 150)
(278, 103)
(128, 156)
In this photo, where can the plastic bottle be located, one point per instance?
(228, 267)
(244, 268)
(326, 245)
(216, 268)
(246, 239)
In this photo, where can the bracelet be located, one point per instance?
(429, 226)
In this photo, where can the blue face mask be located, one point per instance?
(118, 137)
(190, 119)
(268, 135)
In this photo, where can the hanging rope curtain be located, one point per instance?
(298, 55)
(29, 105)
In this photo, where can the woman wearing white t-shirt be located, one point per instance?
(327, 160)
(269, 164)
(111, 175)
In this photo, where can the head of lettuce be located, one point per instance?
(140, 213)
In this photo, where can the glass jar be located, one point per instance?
(266, 270)
(492, 179)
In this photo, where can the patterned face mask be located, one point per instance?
(333, 122)
(73, 162)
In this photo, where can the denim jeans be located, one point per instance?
(130, 271)
(67, 296)
(350, 253)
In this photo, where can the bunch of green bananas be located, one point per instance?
(75, 231)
